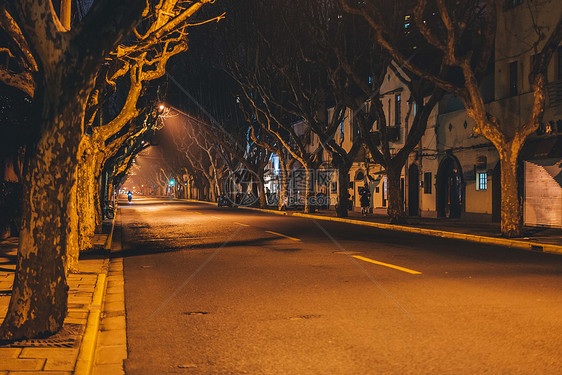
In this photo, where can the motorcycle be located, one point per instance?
(130, 196)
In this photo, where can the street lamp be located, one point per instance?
(172, 182)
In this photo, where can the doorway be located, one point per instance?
(413, 190)
(450, 189)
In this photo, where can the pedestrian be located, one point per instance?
(365, 200)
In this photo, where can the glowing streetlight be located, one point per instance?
(161, 107)
(172, 182)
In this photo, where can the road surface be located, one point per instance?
(232, 291)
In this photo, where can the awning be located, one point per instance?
(542, 148)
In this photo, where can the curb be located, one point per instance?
(522, 245)
(87, 351)
(86, 355)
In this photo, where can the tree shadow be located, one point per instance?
(142, 248)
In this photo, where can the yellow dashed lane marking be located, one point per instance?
(282, 235)
(387, 265)
(244, 225)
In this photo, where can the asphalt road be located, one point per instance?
(222, 291)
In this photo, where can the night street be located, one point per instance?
(229, 291)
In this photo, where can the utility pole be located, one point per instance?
(65, 11)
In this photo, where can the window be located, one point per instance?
(513, 78)
(482, 181)
(334, 187)
(397, 110)
(389, 111)
(427, 183)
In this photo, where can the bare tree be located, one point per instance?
(58, 69)
(464, 34)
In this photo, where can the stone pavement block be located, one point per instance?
(111, 354)
(112, 284)
(115, 266)
(115, 297)
(83, 285)
(113, 337)
(75, 321)
(58, 359)
(115, 306)
(116, 289)
(111, 369)
(26, 364)
(84, 300)
(77, 314)
(40, 373)
(111, 323)
(82, 294)
(10, 352)
(91, 266)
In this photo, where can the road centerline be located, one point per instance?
(403, 269)
(283, 235)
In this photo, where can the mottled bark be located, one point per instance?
(511, 212)
(40, 292)
(72, 233)
(343, 194)
(86, 188)
(97, 204)
(308, 208)
(395, 201)
(261, 188)
(283, 189)
(68, 62)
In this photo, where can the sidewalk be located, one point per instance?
(70, 350)
(547, 240)
(536, 239)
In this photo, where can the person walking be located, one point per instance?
(365, 200)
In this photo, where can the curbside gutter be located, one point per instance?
(86, 355)
(523, 245)
(87, 352)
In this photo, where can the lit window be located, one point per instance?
(482, 181)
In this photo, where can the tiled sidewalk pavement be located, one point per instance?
(112, 343)
(56, 355)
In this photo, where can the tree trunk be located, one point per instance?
(395, 201)
(86, 201)
(72, 232)
(308, 208)
(212, 195)
(38, 304)
(98, 209)
(343, 186)
(511, 212)
(261, 188)
(283, 189)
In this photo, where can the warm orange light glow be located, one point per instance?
(161, 107)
